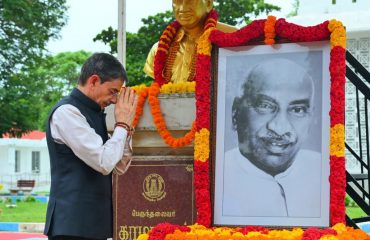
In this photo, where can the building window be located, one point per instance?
(35, 162)
(17, 160)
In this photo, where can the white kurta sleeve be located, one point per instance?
(68, 126)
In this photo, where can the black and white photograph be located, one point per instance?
(272, 135)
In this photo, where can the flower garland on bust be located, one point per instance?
(160, 60)
(160, 123)
(268, 29)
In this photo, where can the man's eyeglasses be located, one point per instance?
(114, 93)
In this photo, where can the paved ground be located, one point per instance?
(21, 236)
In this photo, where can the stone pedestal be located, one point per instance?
(158, 187)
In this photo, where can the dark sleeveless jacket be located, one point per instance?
(80, 202)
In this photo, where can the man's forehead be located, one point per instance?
(278, 79)
(114, 84)
(280, 98)
(280, 82)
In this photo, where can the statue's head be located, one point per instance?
(191, 13)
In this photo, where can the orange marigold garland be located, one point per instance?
(270, 30)
(143, 93)
(160, 123)
(174, 232)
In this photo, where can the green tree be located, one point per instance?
(139, 44)
(59, 74)
(25, 28)
(242, 11)
(295, 6)
(20, 103)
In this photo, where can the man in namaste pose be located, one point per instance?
(82, 157)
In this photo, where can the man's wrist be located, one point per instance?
(124, 125)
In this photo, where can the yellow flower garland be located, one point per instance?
(338, 34)
(182, 87)
(337, 147)
(143, 237)
(201, 145)
(340, 228)
(204, 45)
(139, 88)
(169, 88)
(337, 132)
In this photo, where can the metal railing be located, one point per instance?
(42, 181)
(358, 182)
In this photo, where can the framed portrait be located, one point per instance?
(271, 157)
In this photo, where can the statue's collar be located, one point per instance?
(181, 34)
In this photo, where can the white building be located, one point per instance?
(25, 158)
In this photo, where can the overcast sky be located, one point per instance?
(86, 18)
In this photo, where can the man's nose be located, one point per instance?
(181, 5)
(114, 99)
(280, 124)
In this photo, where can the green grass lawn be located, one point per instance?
(355, 212)
(24, 212)
(36, 212)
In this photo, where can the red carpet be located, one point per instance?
(21, 236)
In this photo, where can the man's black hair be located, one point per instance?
(106, 66)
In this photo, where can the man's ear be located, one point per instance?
(93, 80)
(209, 5)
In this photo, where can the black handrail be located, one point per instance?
(358, 66)
(358, 82)
(355, 196)
(356, 187)
(363, 164)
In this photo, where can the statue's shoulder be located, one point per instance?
(149, 63)
(226, 27)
